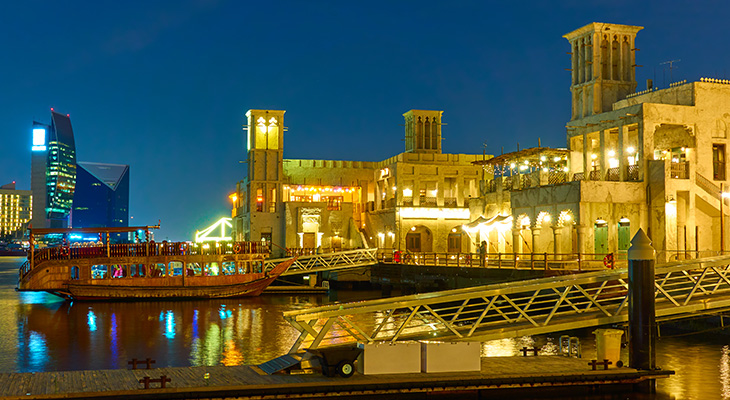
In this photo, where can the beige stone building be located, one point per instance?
(416, 200)
(653, 159)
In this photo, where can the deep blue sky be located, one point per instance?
(164, 86)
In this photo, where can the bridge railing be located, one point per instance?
(516, 308)
(543, 261)
(327, 261)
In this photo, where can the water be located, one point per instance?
(40, 332)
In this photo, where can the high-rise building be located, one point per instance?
(53, 172)
(15, 210)
(102, 196)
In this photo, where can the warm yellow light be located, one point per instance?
(542, 158)
(233, 198)
(453, 230)
(611, 153)
(593, 156)
(556, 159)
(413, 228)
(407, 192)
(512, 165)
(630, 150)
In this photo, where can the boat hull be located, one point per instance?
(53, 277)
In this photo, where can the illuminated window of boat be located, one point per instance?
(175, 268)
(256, 266)
(99, 272)
(194, 269)
(243, 267)
(229, 268)
(212, 269)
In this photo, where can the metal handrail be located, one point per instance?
(327, 261)
(519, 308)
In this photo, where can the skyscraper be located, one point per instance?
(53, 172)
(15, 211)
(102, 196)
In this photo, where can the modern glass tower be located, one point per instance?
(53, 172)
(102, 196)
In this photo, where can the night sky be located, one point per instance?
(164, 86)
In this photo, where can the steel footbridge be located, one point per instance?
(539, 306)
(328, 261)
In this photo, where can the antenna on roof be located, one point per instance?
(671, 67)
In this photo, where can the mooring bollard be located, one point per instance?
(642, 310)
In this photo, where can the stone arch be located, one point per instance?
(566, 218)
(543, 219)
(419, 239)
(457, 240)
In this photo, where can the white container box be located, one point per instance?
(451, 357)
(391, 358)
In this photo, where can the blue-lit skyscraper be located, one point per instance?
(53, 172)
(102, 195)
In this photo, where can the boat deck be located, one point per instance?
(497, 373)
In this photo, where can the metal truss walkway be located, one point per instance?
(328, 261)
(514, 309)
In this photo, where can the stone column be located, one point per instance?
(582, 231)
(586, 157)
(516, 241)
(557, 242)
(535, 238)
(603, 155)
(622, 162)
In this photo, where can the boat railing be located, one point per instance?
(144, 250)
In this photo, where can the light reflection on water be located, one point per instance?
(40, 332)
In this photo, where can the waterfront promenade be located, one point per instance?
(497, 374)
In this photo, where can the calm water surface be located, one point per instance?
(40, 332)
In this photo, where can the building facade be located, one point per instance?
(653, 159)
(101, 198)
(15, 211)
(53, 172)
(414, 200)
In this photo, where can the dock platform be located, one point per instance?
(516, 374)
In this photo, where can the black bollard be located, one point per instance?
(642, 313)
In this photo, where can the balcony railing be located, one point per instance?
(679, 170)
(632, 173)
(595, 175)
(428, 202)
(449, 201)
(579, 176)
(557, 177)
(613, 174)
(408, 201)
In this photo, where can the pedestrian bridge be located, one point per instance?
(539, 306)
(331, 261)
(328, 261)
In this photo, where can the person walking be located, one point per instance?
(482, 253)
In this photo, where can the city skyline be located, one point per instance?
(165, 88)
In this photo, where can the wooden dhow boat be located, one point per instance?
(146, 270)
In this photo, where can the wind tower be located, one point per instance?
(262, 200)
(423, 131)
(603, 60)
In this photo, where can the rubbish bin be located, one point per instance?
(608, 345)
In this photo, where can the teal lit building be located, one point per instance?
(53, 172)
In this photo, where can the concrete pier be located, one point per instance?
(518, 376)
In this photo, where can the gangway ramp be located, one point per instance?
(539, 306)
(328, 261)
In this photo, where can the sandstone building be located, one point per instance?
(415, 200)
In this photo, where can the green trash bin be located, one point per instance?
(608, 345)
